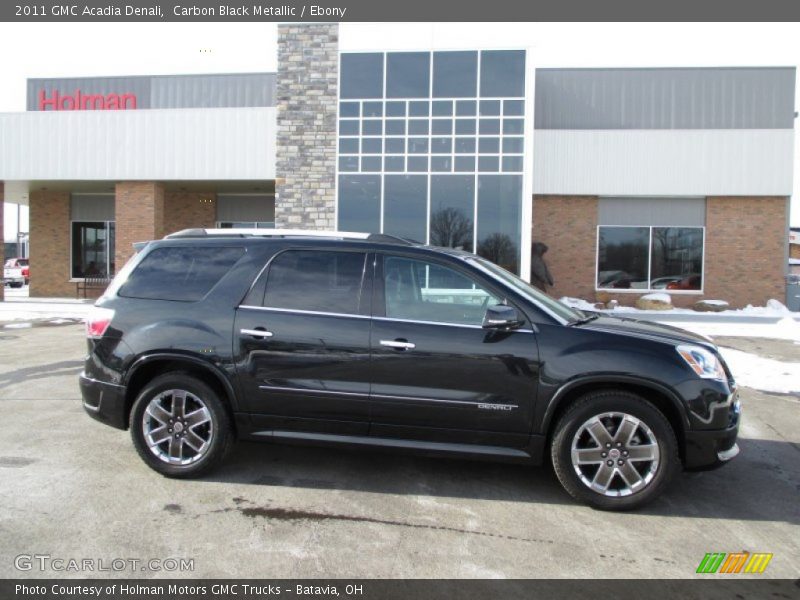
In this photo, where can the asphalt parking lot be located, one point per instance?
(73, 488)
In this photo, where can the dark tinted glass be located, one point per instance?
(513, 108)
(465, 145)
(419, 109)
(490, 108)
(395, 109)
(441, 164)
(466, 108)
(408, 75)
(513, 145)
(359, 203)
(361, 76)
(348, 163)
(405, 204)
(417, 163)
(489, 145)
(623, 257)
(349, 109)
(488, 163)
(372, 127)
(395, 164)
(676, 260)
(395, 146)
(418, 127)
(417, 145)
(503, 73)
(442, 127)
(395, 127)
(465, 163)
(315, 280)
(442, 108)
(372, 109)
(348, 127)
(184, 273)
(489, 126)
(371, 163)
(90, 249)
(348, 145)
(512, 163)
(452, 210)
(371, 145)
(465, 126)
(455, 74)
(513, 126)
(441, 145)
(500, 219)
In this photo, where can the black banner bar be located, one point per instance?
(728, 588)
(394, 10)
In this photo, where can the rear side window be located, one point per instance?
(322, 281)
(181, 273)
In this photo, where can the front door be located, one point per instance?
(436, 373)
(303, 352)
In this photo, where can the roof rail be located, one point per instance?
(285, 233)
(253, 232)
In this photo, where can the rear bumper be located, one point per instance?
(104, 401)
(710, 449)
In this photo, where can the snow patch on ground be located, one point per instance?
(784, 329)
(658, 297)
(763, 374)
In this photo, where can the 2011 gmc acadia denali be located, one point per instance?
(365, 340)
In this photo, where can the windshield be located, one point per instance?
(528, 291)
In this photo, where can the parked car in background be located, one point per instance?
(661, 283)
(16, 272)
(692, 282)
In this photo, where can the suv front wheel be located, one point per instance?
(614, 450)
(179, 426)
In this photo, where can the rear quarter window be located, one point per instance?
(185, 273)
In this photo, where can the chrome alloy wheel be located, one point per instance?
(177, 427)
(615, 454)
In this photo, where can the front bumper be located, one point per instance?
(104, 401)
(710, 449)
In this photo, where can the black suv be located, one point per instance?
(367, 340)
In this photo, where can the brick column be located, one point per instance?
(308, 63)
(187, 210)
(49, 236)
(568, 225)
(745, 249)
(139, 215)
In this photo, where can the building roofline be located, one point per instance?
(162, 76)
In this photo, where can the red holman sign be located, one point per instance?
(81, 101)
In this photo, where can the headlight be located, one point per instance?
(703, 362)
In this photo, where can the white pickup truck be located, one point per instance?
(16, 272)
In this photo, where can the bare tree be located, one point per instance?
(451, 228)
(500, 249)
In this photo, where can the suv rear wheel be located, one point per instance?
(179, 426)
(614, 450)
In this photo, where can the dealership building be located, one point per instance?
(667, 179)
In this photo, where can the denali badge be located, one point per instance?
(496, 407)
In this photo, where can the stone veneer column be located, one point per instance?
(139, 215)
(308, 63)
(568, 225)
(49, 235)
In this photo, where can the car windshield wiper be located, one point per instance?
(589, 317)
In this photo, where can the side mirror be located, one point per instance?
(501, 317)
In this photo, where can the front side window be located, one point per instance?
(314, 280)
(92, 249)
(418, 290)
(650, 258)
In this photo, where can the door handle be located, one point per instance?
(260, 333)
(398, 344)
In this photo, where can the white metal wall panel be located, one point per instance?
(663, 162)
(163, 145)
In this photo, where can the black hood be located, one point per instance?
(647, 329)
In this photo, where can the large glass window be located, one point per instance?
(650, 258)
(452, 211)
(316, 280)
(424, 291)
(434, 156)
(92, 249)
(184, 274)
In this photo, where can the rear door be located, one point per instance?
(303, 347)
(437, 374)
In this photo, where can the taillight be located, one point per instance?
(98, 321)
(26, 271)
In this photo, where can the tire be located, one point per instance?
(168, 441)
(581, 456)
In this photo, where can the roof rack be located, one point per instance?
(288, 233)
